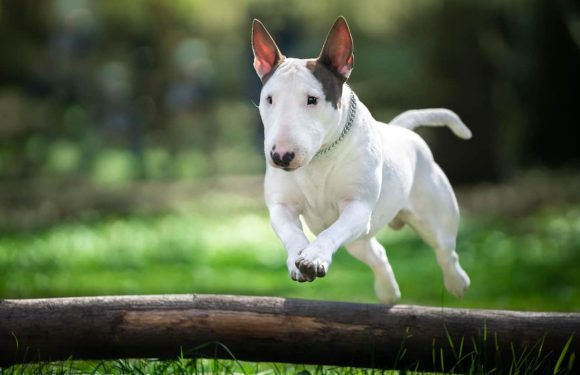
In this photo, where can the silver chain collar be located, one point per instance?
(346, 129)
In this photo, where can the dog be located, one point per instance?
(346, 174)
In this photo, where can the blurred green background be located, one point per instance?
(130, 147)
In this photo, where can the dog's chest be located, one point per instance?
(322, 192)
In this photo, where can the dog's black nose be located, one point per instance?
(282, 161)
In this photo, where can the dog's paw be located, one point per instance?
(387, 293)
(295, 273)
(457, 282)
(311, 269)
(301, 278)
(311, 262)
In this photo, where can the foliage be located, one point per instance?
(221, 242)
(529, 363)
(165, 88)
(181, 366)
(529, 264)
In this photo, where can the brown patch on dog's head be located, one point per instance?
(269, 75)
(331, 83)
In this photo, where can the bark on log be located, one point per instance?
(279, 330)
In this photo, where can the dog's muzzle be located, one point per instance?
(283, 159)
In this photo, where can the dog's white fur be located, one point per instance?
(379, 174)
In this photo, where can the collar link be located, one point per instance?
(349, 123)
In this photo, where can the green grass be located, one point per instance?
(181, 366)
(528, 264)
(470, 363)
(221, 245)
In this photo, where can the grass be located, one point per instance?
(529, 362)
(221, 244)
(529, 264)
(181, 366)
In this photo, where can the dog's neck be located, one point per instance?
(347, 121)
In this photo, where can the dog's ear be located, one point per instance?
(266, 53)
(337, 51)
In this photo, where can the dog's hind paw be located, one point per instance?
(387, 293)
(457, 282)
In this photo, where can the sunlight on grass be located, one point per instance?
(181, 366)
(529, 264)
(526, 264)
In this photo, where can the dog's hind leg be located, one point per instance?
(397, 223)
(372, 253)
(442, 240)
(435, 217)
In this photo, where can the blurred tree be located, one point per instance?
(554, 90)
(22, 34)
(171, 83)
(511, 71)
(461, 78)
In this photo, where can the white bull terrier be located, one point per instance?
(346, 174)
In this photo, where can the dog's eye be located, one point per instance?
(269, 99)
(312, 100)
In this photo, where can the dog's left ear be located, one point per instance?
(337, 51)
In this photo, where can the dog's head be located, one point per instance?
(301, 99)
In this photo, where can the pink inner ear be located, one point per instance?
(337, 50)
(266, 53)
(342, 59)
(262, 67)
(345, 69)
(350, 60)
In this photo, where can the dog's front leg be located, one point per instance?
(286, 223)
(353, 222)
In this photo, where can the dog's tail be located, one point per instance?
(432, 117)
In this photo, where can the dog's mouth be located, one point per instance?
(289, 169)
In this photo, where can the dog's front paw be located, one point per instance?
(312, 263)
(295, 273)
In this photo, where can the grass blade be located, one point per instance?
(562, 355)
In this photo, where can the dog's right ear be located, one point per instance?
(266, 53)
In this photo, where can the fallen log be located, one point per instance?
(265, 329)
